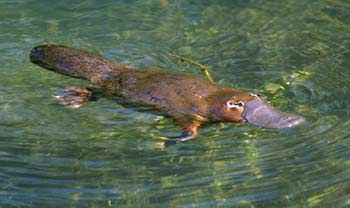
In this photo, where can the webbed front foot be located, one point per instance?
(191, 132)
(185, 136)
(173, 140)
(74, 97)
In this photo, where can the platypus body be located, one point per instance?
(189, 100)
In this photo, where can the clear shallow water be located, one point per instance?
(105, 155)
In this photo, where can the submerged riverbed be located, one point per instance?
(295, 53)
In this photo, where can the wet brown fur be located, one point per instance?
(189, 100)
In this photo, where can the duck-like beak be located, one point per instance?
(259, 113)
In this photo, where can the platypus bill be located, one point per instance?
(189, 100)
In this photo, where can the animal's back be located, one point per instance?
(176, 92)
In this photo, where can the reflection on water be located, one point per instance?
(296, 54)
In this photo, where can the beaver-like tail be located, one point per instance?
(72, 62)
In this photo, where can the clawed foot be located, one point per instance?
(183, 137)
(74, 97)
(178, 139)
(191, 132)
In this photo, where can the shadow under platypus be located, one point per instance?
(189, 100)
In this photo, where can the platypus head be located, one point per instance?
(249, 107)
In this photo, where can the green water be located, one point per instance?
(295, 53)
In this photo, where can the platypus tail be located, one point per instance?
(72, 62)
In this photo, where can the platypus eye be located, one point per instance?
(231, 104)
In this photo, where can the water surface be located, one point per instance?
(295, 53)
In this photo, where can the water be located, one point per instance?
(296, 53)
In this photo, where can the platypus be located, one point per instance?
(189, 100)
